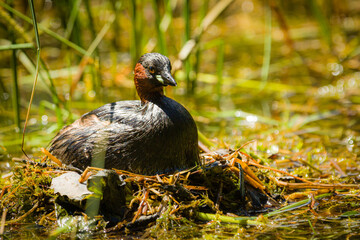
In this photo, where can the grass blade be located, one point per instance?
(72, 18)
(136, 40)
(46, 30)
(160, 33)
(296, 205)
(323, 22)
(84, 61)
(267, 48)
(36, 73)
(186, 15)
(16, 46)
(226, 219)
(190, 45)
(219, 72)
(15, 89)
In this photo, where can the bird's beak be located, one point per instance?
(166, 79)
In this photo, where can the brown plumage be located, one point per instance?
(153, 135)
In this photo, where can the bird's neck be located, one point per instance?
(145, 89)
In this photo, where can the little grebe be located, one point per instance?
(153, 135)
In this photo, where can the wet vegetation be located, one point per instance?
(273, 86)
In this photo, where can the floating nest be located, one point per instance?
(229, 186)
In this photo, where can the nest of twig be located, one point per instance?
(226, 184)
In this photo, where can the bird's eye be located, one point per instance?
(151, 69)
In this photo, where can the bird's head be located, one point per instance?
(152, 73)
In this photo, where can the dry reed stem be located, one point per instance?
(47, 216)
(133, 200)
(203, 147)
(156, 192)
(249, 179)
(3, 190)
(314, 185)
(245, 144)
(11, 193)
(196, 188)
(301, 195)
(142, 203)
(337, 167)
(248, 170)
(25, 215)
(130, 174)
(172, 198)
(85, 175)
(249, 176)
(52, 157)
(176, 208)
(3, 221)
(219, 196)
(159, 178)
(279, 171)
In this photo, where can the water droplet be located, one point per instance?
(274, 149)
(238, 114)
(44, 119)
(335, 69)
(6, 96)
(92, 93)
(324, 90)
(32, 121)
(351, 83)
(47, 5)
(252, 118)
(67, 96)
(247, 6)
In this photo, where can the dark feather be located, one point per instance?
(155, 137)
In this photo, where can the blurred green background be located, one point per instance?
(246, 69)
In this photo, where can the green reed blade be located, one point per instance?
(267, 48)
(100, 36)
(296, 205)
(91, 50)
(199, 49)
(205, 140)
(159, 31)
(137, 27)
(73, 16)
(19, 30)
(38, 47)
(30, 66)
(167, 18)
(15, 89)
(90, 18)
(226, 219)
(322, 21)
(42, 28)
(187, 64)
(55, 96)
(297, 122)
(16, 46)
(116, 6)
(219, 71)
(210, 17)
